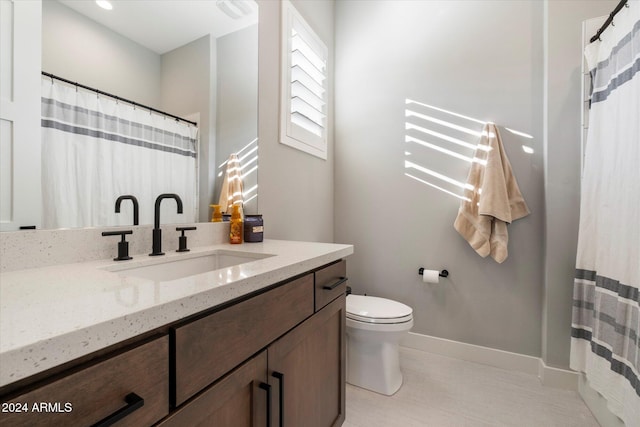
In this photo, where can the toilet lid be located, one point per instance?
(377, 310)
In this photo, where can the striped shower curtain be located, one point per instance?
(95, 149)
(605, 343)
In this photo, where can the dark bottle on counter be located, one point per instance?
(253, 228)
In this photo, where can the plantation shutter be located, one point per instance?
(304, 97)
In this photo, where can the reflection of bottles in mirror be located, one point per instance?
(235, 233)
(216, 216)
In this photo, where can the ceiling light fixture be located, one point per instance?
(235, 9)
(104, 4)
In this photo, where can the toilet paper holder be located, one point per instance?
(443, 273)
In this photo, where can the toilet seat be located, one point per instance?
(369, 309)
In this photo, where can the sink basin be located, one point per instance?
(192, 264)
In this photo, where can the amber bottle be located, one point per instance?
(235, 228)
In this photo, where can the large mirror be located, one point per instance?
(193, 59)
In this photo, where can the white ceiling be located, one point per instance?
(163, 25)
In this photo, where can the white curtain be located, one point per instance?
(605, 331)
(95, 149)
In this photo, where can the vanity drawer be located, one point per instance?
(91, 395)
(208, 348)
(330, 283)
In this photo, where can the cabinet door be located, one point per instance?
(237, 400)
(307, 371)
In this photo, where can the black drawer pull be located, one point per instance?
(267, 388)
(134, 402)
(335, 285)
(280, 377)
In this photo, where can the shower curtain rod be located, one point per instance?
(118, 98)
(609, 20)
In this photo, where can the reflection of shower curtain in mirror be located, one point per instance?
(95, 149)
(605, 328)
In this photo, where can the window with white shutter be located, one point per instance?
(303, 113)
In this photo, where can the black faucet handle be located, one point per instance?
(123, 245)
(182, 240)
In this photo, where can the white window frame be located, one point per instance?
(291, 133)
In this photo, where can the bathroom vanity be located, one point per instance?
(257, 343)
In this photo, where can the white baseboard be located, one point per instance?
(557, 377)
(549, 376)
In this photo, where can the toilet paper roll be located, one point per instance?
(431, 276)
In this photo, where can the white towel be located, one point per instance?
(231, 191)
(495, 200)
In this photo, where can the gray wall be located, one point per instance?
(296, 189)
(190, 90)
(77, 48)
(455, 56)
(237, 101)
(522, 72)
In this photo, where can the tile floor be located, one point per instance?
(441, 392)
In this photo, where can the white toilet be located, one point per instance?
(374, 329)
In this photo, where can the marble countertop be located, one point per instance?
(52, 315)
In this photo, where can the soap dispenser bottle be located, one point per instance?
(235, 233)
(216, 216)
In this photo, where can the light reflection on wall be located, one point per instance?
(248, 158)
(434, 137)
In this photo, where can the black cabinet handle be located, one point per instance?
(267, 388)
(335, 285)
(134, 402)
(280, 377)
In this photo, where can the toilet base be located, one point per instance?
(372, 364)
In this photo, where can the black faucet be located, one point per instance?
(135, 206)
(157, 232)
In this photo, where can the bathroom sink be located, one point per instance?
(178, 267)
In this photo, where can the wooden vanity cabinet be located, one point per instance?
(276, 358)
(297, 378)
